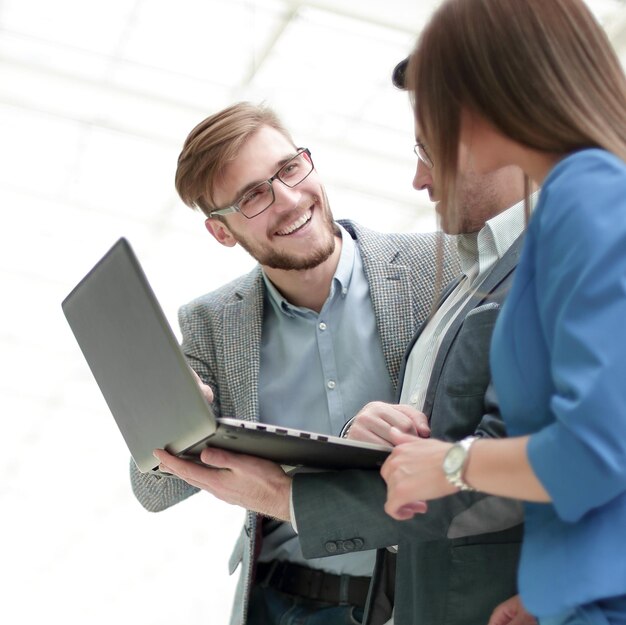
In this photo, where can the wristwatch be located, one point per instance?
(455, 460)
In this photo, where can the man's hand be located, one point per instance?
(373, 423)
(511, 612)
(241, 480)
(207, 391)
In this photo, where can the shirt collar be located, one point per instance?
(479, 250)
(502, 230)
(341, 279)
(467, 244)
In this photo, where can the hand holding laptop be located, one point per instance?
(238, 479)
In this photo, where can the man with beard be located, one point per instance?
(456, 563)
(314, 332)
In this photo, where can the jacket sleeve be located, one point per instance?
(344, 511)
(338, 512)
(158, 492)
(335, 509)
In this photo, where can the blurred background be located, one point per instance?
(96, 99)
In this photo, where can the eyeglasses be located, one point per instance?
(422, 154)
(261, 197)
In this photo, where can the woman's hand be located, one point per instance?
(512, 612)
(413, 472)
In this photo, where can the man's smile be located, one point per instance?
(297, 224)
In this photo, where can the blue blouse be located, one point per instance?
(558, 361)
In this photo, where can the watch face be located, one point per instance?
(454, 459)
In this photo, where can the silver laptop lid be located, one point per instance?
(121, 330)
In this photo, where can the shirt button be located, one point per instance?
(322, 325)
(331, 384)
(413, 398)
(344, 291)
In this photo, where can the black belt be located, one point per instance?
(302, 581)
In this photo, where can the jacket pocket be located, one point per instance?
(466, 371)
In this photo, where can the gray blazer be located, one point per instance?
(222, 338)
(459, 560)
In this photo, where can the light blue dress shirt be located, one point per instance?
(317, 371)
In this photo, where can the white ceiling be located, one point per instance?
(96, 99)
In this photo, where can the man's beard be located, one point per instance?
(277, 259)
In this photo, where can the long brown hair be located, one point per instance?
(214, 143)
(540, 71)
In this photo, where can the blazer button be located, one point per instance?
(358, 543)
(348, 545)
(331, 547)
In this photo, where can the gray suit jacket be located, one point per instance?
(222, 338)
(459, 560)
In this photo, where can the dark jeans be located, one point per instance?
(270, 607)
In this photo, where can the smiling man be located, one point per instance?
(314, 332)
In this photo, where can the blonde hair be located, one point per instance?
(213, 144)
(540, 71)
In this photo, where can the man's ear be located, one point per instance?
(220, 232)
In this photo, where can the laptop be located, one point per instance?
(150, 390)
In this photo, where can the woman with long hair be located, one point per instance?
(536, 83)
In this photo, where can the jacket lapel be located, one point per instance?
(417, 334)
(501, 271)
(391, 299)
(241, 347)
(390, 294)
